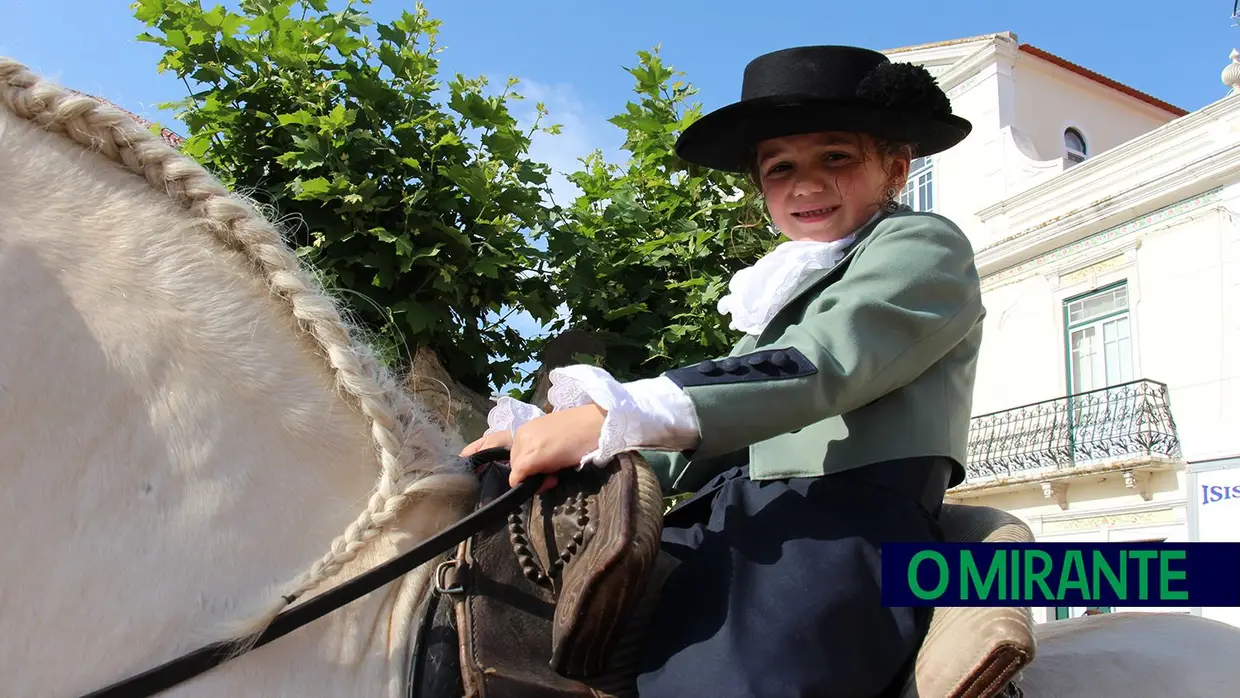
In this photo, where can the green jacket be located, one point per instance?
(872, 360)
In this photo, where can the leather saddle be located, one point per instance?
(550, 602)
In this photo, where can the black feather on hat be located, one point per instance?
(825, 88)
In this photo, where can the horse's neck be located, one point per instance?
(171, 458)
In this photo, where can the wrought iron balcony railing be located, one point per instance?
(1127, 420)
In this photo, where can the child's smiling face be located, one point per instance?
(823, 186)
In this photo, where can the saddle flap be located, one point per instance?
(974, 652)
(504, 617)
(599, 588)
(550, 594)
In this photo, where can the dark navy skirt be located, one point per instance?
(779, 588)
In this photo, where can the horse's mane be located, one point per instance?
(410, 447)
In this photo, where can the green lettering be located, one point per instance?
(1015, 574)
(1166, 575)
(913, 564)
(1143, 578)
(1032, 577)
(1075, 565)
(1118, 584)
(998, 568)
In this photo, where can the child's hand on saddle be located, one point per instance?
(546, 445)
(555, 442)
(498, 439)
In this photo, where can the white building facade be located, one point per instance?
(1106, 225)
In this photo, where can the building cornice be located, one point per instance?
(998, 48)
(979, 487)
(950, 43)
(1099, 246)
(1121, 510)
(1174, 162)
(966, 59)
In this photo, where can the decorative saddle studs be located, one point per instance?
(547, 575)
(553, 587)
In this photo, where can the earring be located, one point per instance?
(892, 204)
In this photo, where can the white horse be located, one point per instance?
(191, 439)
(1134, 655)
(188, 431)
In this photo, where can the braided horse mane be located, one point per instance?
(415, 456)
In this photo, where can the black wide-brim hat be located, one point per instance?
(825, 88)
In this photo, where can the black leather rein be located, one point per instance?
(187, 666)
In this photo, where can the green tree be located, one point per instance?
(422, 213)
(645, 253)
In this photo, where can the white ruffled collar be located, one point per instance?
(758, 292)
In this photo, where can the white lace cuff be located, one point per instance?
(653, 414)
(508, 414)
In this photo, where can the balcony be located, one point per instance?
(1122, 427)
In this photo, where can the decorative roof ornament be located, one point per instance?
(1231, 74)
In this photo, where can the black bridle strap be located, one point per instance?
(187, 666)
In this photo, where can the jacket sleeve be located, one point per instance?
(909, 296)
(678, 473)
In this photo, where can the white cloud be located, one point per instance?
(583, 130)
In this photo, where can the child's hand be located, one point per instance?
(546, 445)
(498, 439)
(555, 442)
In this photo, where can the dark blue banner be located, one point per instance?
(1061, 574)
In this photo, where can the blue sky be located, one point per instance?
(570, 53)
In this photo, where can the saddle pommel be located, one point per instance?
(560, 583)
(599, 588)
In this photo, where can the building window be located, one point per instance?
(1099, 339)
(918, 192)
(1074, 146)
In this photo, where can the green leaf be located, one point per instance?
(388, 32)
(448, 139)
(150, 38)
(311, 188)
(338, 118)
(300, 117)
(175, 38)
(214, 18)
(148, 11)
(231, 24)
(196, 146)
(382, 234)
(258, 25)
(415, 316)
(625, 311)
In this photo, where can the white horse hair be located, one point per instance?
(1133, 655)
(187, 425)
